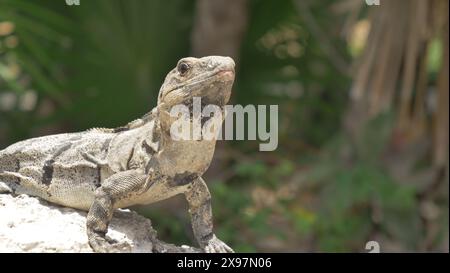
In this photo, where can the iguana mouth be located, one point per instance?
(194, 81)
(226, 74)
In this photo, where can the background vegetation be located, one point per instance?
(362, 94)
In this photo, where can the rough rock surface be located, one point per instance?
(28, 224)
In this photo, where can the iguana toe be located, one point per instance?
(217, 246)
(102, 244)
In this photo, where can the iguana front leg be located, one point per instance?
(199, 200)
(121, 185)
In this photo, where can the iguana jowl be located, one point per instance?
(101, 169)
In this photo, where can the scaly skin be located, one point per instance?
(102, 169)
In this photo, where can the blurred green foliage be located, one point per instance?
(333, 207)
(101, 64)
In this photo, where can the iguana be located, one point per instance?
(102, 169)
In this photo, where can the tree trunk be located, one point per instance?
(219, 27)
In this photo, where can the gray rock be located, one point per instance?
(28, 224)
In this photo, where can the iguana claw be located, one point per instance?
(217, 246)
(107, 245)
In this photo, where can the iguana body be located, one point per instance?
(102, 169)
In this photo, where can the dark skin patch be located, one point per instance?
(149, 150)
(48, 165)
(97, 182)
(17, 165)
(183, 179)
(48, 172)
(105, 145)
(120, 129)
(205, 101)
(207, 237)
(204, 120)
(190, 104)
(129, 158)
(62, 149)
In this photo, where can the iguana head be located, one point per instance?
(209, 78)
(185, 148)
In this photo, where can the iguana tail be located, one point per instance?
(6, 183)
(5, 187)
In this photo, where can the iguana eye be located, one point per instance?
(183, 68)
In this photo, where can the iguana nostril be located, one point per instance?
(227, 64)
